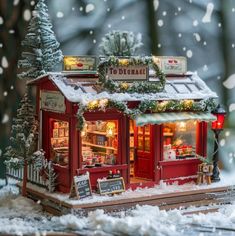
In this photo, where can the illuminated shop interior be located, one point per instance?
(99, 143)
(59, 142)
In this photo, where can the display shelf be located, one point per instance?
(100, 146)
(99, 132)
(60, 148)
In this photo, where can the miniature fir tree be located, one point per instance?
(42, 49)
(51, 177)
(22, 150)
(120, 43)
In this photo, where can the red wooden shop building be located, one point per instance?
(152, 147)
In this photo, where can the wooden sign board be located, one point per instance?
(128, 73)
(53, 101)
(171, 65)
(79, 64)
(81, 187)
(111, 186)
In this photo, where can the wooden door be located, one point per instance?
(143, 152)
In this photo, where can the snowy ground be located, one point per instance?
(20, 216)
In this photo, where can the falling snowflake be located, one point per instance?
(222, 142)
(218, 77)
(0, 152)
(1, 20)
(11, 31)
(91, 32)
(80, 8)
(160, 23)
(59, 14)
(89, 7)
(233, 45)
(12, 87)
(5, 93)
(164, 13)
(184, 48)
(32, 3)
(1, 45)
(231, 107)
(219, 24)
(233, 9)
(5, 119)
(27, 15)
(229, 83)
(94, 41)
(123, 17)
(205, 68)
(1, 70)
(109, 26)
(16, 2)
(108, 9)
(179, 35)
(209, 10)
(179, 8)
(73, 8)
(204, 43)
(4, 62)
(197, 37)
(155, 4)
(159, 45)
(189, 53)
(195, 23)
(227, 133)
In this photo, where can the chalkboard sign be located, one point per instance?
(112, 186)
(81, 187)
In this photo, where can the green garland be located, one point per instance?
(135, 87)
(145, 106)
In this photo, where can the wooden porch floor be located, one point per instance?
(200, 197)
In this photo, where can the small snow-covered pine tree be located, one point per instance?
(120, 43)
(42, 49)
(24, 136)
(51, 177)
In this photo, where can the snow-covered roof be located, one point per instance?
(191, 86)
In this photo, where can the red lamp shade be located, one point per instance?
(220, 113)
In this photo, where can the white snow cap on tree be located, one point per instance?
(120, 43)
(42, 49)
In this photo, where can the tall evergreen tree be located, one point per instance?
(120, 43)
(22, 150)
(42, 49)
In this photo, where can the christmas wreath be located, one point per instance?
(135, 87)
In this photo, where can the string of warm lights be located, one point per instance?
(144, 106)
(135, 87)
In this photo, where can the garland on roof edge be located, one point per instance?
(144, 106)
(135, 87)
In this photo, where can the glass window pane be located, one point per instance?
(99, 143)
(179, 140)
(59, 141)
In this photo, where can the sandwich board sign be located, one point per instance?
(111, 186)
(81, 187)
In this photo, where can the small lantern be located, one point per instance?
(110, 129)
(220, 113)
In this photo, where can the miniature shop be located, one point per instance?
(145, 119)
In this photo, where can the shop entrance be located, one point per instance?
(141, 154)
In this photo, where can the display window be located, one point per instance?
(179, 140)
(59, 142)
(99, 143)
(143, 143)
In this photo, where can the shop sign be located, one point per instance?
(81, 187)
(128, 73)
(53, 101)
(171, 65)
(79, 64)
(111, 186)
